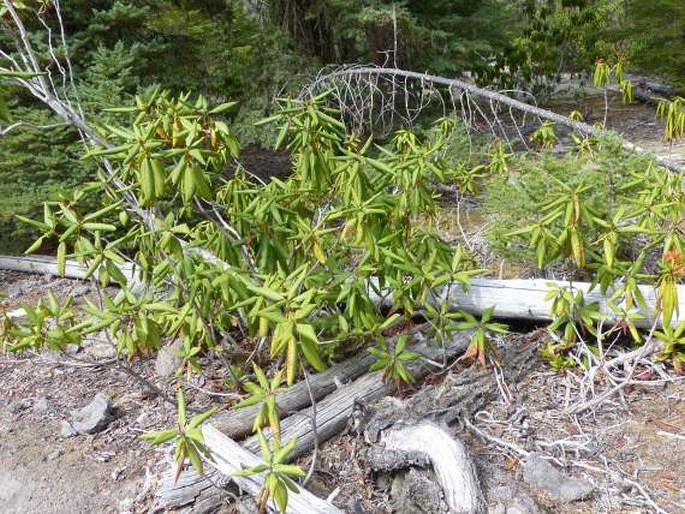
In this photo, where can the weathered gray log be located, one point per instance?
(332, 414)
(513, 299)
(321, 83)
(525, 299)
(334, 411)
(46, 265)
(448, 457)
(230, 457)
(238, 422)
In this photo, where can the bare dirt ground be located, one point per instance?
(110, 471)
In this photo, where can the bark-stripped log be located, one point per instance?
(323, 82)
(451, 462)
(525, 299)
(229, 457)
(332, 414)
(513, 299)
(238, 422)
(46, 265)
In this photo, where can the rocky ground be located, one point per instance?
(531, 455)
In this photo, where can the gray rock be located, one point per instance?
(19, 405)
(80, 291)
(539, 473)
(168, 360)
(72, 349)
(16, 289)
(90, 419)
(511, 500)
(99, 346)
(41, 404)
(66, 430)
(100, 351)
(54, 455)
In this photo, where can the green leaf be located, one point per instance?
(160, 437)
(181, 402)
(194, 457)
(223, 107)
(290, 470)
(61, 258)
(199, 419)
(280, 495)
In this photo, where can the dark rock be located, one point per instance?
(90, 419)
(539, 473)
(505, 495)
(417, 493)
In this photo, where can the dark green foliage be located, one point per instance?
(442, 36)
(35, 164)
(655, 32)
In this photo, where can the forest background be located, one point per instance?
(250, 51)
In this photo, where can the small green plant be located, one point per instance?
(568, 240)
(187, 436)
(264, 392)
(498, 158)
(277, 481)
(50, 324)
(672, 269)
(480, 345)
(606, 71)
(571, 314)
(544, 136)
(392, 360)
(673, 340)
(572, 317)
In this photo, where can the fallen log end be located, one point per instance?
(441, 472)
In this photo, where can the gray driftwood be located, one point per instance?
(429, 444)
(332, 415)
(411, 445)
(229, 457)
(513, 299)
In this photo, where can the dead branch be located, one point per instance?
(368, 96)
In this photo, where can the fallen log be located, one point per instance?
(230, 457)
(517, 299)
(332, 415)
(46, 265)
(325, 81)
(427, 444)
(334, 411)
(525, 299)
(237, 423)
